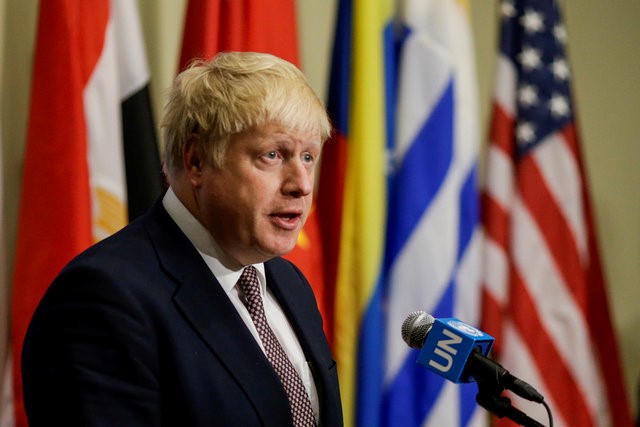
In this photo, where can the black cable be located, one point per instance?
(548, 408)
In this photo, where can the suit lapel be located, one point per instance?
(206, 307)
(296, 299)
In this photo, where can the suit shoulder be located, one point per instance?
(129, 245)
(134, 243)
(280, 265)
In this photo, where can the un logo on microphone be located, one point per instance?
(463, 327)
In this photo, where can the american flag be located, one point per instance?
(544, 291)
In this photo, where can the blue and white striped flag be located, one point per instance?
(432, 238)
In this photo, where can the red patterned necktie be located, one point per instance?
(297, 394)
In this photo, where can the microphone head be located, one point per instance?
(416, 327)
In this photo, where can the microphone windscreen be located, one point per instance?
(416, 327)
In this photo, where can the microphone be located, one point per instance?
(457, 352)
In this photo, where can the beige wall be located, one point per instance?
(603, 39)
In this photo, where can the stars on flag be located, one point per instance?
(530, 58)
(532, 21)
(527, 95)
(560, 69)
(543, 101)
(560, 33)
(559, 105)
(508, 10)
(525, 132)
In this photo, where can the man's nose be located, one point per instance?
(298, 179)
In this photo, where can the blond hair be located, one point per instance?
(233, 93)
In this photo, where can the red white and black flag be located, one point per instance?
(89, 112)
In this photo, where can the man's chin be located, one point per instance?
(286, 251)
(285, 248)
(273, 248)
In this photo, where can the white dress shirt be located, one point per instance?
(214, 257)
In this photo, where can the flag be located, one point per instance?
(213, 26)
(544, 292)
(352, 201)
(73, 187)
(432, 257)
(145, 182)
(399, 203)
(267, 26)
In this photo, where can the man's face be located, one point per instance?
(255, 205)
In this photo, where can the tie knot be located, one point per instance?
(249, 283)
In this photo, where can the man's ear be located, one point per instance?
(192, 160)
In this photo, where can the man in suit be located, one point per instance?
(188, 316)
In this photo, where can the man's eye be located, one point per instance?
(307, 157)
(272, 155)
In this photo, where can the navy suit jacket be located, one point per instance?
(136, 331)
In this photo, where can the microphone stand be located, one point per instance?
(489, 395)
(501, 407)
(490, 398)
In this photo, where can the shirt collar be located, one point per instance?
(202, 240)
